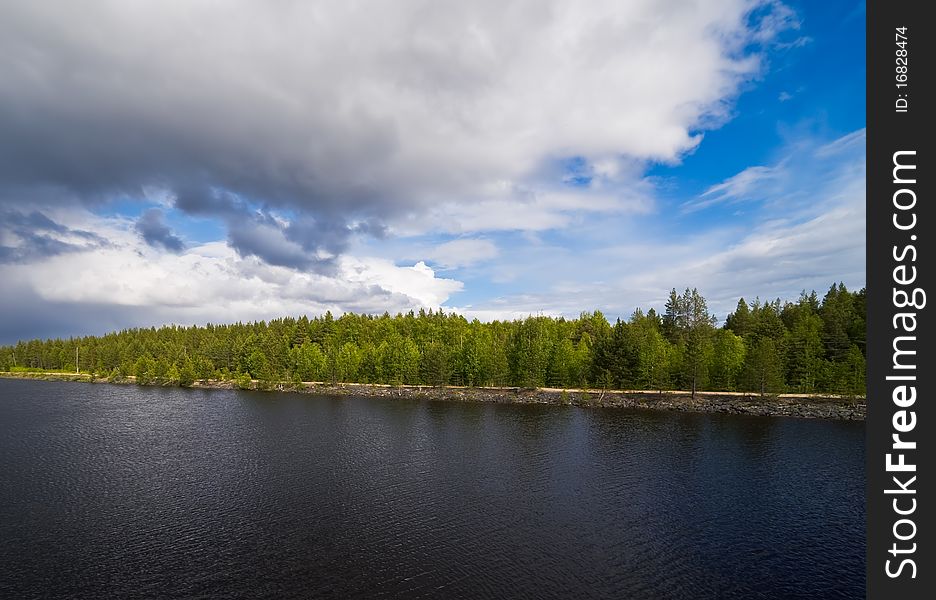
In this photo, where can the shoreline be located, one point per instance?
(816, 406)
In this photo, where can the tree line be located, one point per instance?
(806, 346)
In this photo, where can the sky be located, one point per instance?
(190, 161)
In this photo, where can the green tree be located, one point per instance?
(727, 360)
(369, 371)
(651, 351)
(678, 349)
(399, 360)
(691, 327)
(530, 350)
(763, 371)
(173, 376)
(837, 312)
(348, 362)
(145, 370)
(581, 366)
(471, 359)
(203, 368)
(850, 373)
(162, 370)
(739, 322)
(258, 366)
(243, 381)
(562, 365)
(616, 358)
(805, 353)
(435, 364)
(187, 373)
(499, 369)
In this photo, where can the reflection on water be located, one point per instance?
(121, 491)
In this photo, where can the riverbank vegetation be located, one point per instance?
(802, 346)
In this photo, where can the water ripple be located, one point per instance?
(112, 491)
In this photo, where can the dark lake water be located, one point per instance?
(120, 491)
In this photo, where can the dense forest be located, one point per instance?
(805, 346)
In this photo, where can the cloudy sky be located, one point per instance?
(187, 161)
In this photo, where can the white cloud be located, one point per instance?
(369, 107)
(503, 310)
(796, 43)
(431, 118)
(806, 232)
(515, 209)
(854, 141)
(463, 252)
(211, 282)
(750, 184)
(779, 18)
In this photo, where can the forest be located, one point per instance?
(766, 347)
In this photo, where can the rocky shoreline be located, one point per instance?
(705, 402)
(786, 405)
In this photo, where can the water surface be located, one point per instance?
(122, 491)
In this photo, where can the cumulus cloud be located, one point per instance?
(206, 282)
(355, 112)
(302, 128)
(268, 240)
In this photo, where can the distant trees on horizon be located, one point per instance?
(806, 346)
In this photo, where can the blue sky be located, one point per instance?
(497, 159)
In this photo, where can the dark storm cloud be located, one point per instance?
(203, 201)
(344, 114)
(372, 228)
(156, 233)
(32, 221)
(34, 236)
(103, 103)
(267, 243)
(315, 235)
(303, 243)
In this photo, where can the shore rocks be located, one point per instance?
(790, 405)
(786, 405)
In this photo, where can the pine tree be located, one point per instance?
(739, 321)
(727, 360)
(187, 374)
(762, 367)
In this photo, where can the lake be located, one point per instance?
(123, 491)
